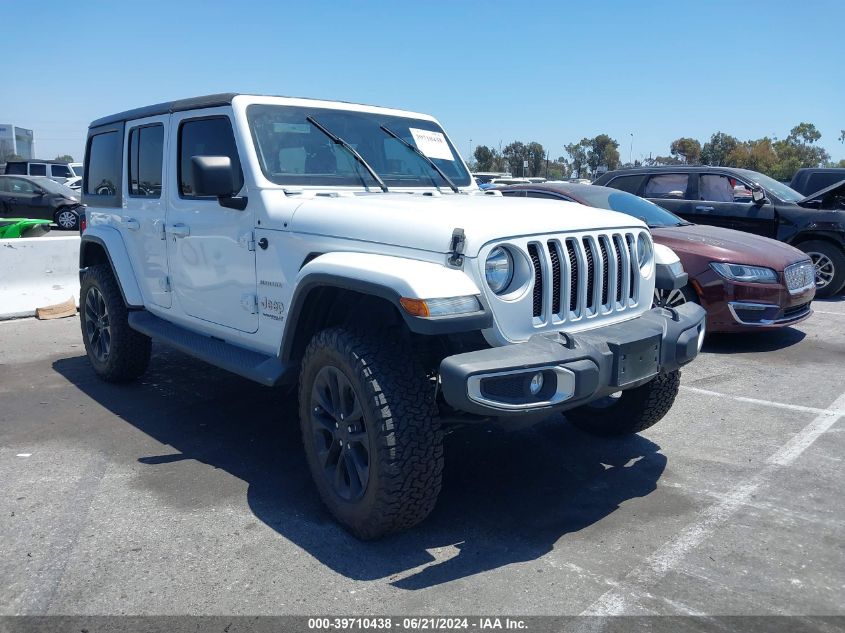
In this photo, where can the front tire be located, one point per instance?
(116, 352)
(66, 219)
(629, 411)
(370, 431)
(829, 262)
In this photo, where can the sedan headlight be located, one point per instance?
(498, 269)
(743, 272)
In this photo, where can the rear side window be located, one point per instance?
(206, 137)
(146, 149)
(672, 186)
(16, 168)
(626, 183)
(37, 169)
(103, 169)
(720, 188)
(61, 171)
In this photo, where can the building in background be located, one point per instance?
(16, 140)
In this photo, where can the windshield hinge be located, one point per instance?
(456, 248)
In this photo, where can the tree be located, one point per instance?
(759, 155)
(688, 149)
(842, 136)
(485, 158)
(578, 155)
(66, 158)
(715, 152)
(604, 151)
(536, 158)
(798, 150)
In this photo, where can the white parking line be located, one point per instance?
(621, 598)
(768, 403)
(827, 312)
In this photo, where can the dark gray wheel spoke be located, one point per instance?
(360, 472)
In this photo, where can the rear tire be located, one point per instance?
(116, 352)
(631, 411)
(829, 261)
(370, 431)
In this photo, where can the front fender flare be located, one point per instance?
(111, 241)
(389, 278)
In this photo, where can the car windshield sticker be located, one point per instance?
(292, 128)
(432, 144)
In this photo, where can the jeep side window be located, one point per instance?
(37, 169)
(16, 168)
(206, 137)
(720, 188)
(672, 186)
(146, 146)
(103, 171)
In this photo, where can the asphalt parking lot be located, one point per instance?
(188, 493)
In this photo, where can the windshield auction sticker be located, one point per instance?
(432, 144)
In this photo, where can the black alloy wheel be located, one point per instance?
(97, 324)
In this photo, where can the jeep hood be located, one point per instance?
(426, 222)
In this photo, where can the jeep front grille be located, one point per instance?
(575, 278)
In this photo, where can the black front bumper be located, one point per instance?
(575, 369)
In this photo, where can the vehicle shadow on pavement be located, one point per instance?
(746, 342)
(507, 497)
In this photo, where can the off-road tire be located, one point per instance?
(634, 411)
(405, 440)
(837, 258)
(129, 351)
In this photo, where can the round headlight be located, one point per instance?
(498, 269)
(645, 253)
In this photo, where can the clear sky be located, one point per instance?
(492, 72)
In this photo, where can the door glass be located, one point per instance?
(16, 185)
(672, 186)
(103, 170)
(61, 171)
(206, 137)
(146, 147)
(719, 188)
(543, 194)
(37, 169)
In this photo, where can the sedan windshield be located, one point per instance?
(292, 151)
(613, 200)
(782, 191)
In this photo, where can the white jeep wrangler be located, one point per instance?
(346, 248)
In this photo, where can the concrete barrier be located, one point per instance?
(36, 272)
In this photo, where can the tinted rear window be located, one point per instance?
(16, 168)
(103, 169)
(626, 183)
(37, 169)
(146, 147)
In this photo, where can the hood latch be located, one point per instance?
(456, 248)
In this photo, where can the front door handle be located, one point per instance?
(179, 230)
(701, 207)
(130, 223)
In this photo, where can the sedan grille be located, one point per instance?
(800, 277)
(579, 277)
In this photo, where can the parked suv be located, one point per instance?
(345, 249)
(56, 170)
(749, 201)
(809, 180)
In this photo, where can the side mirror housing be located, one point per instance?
(758, 195)
(214, 176)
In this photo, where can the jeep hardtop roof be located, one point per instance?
(197, 103)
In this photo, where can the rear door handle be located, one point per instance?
(179, 230)
(701, 207)
(130, 223)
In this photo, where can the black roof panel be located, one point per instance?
(168, 107)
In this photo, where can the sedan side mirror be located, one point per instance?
(758, 195)
(214, 176)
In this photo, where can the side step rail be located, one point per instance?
(267, 370)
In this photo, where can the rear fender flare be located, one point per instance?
(110, 240)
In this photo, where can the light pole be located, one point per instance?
(631, 151)
(470, 149)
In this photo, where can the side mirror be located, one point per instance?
(214, 176)
(758, 195)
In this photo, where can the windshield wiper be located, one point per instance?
(339, 141)
(423, 156)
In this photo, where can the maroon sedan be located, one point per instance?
(744, 281)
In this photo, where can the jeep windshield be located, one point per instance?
(292, 151)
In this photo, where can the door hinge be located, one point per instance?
(250, 303)
(247, 240)
(456, 249)
(164, 282)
